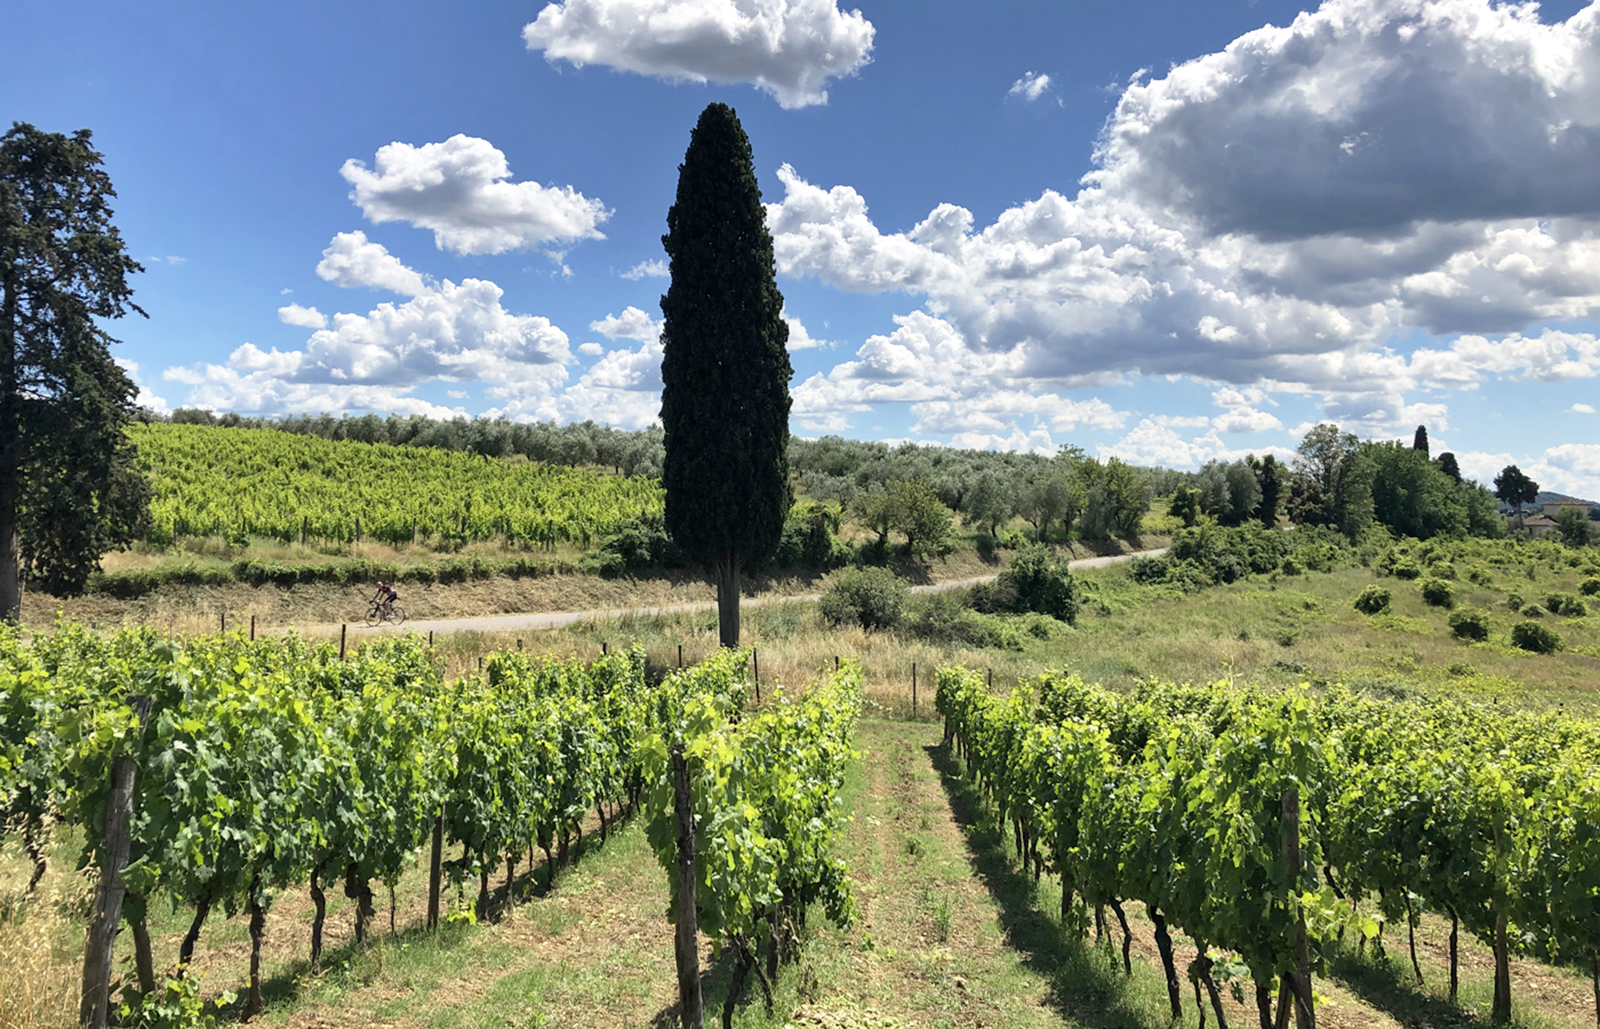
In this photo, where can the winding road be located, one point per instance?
(557, 619)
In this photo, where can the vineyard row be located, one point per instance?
(222, 772)
(1258, 822)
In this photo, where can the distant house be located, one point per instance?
(1555, 507)
(1538, 525)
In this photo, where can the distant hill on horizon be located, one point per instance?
(1548, 496)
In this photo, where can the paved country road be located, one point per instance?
(557, 619)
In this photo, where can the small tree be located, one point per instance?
(920, 516)
(1185, 505)
(990, 502)
(1269, 478)
(725, 365)
(68, 487)
(1420, 440)
(1045, 500)
(1447, 464)
(1573, 524)
(1515, 488)
(1333, 481)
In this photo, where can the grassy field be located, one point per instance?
(950, 933)
(1277, 630)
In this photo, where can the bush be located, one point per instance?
(1438, 593)
(1373, 600)
(1566, 604)
(1514, 601)
(1291, 566)
(638, 543)
(1589, 587)
(873, 598)
(810, 538)
(943, 619)
(1479, 577)
(1042, 583)
(1532, 611)
(1535, 637)
(1470, 625)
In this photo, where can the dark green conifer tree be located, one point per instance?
(725, 365)
(1420, 440)
(69, 490)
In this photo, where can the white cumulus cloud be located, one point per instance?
(788, 48)
(461, 190)
(304, 317)
(1031, 86)
(647, 270)
(351, 261)
(1282, 213)
(443, 332)
(1583, 408)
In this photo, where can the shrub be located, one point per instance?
(1532, 611)
(1042, 583)
(1589, 587)
(1566, 604)
(1478, 576)
(1438, 593)
(943, 619)
(1291, 566)
(1514, 601)
(873, 598)
(810, 538)
(1535, 637)
(1373, 600)
(1470, 625)
(1407, 569)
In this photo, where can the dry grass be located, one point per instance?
(40, 969)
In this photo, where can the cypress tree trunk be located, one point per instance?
(727, 569)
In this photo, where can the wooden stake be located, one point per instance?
(105, 917)
(605, 648)
(686, 947)
(913, 691)
(435, 864)
(342, 631)
(680, 655)
(756, 658)
(252, 628)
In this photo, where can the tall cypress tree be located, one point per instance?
(69, 490)
(1420, 440)
(725, 365)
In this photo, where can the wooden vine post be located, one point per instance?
(94, 1010)
(1298, 983)
(435, 868)
(687, 942)
(1501, 1011)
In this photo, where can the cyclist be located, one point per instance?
(385, 597)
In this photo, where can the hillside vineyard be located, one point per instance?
(210, 480)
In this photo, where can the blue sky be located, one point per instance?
(1380, 212)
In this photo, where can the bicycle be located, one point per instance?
(378, 613)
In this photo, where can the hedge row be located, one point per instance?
(131, 585)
